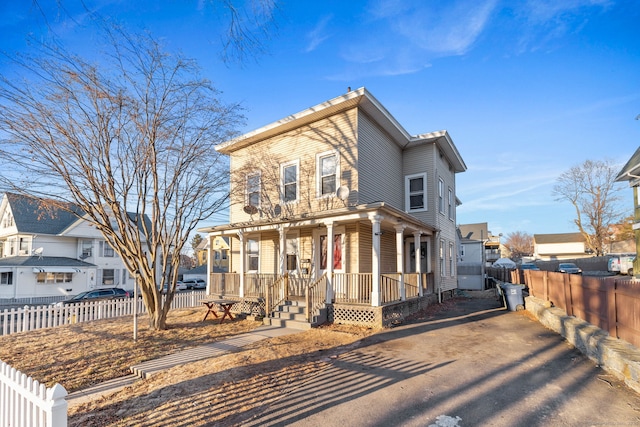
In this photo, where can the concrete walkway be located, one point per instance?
(151, 367)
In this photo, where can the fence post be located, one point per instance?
(545, 285)
(57, 415)
(568, 307)
(25, 318)
(612, 319)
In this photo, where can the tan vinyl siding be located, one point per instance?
(380, 165)
(269, 242)
(350, 248)
(418, 160)
(302, 145)
(365, 245)
(388, 252)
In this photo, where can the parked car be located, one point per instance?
(96, 295)
(195, 284)
(180, 286)
(529, 266)
(622, 264)
(568, 267)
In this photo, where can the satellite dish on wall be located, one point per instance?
(277, 210)
(342, 193)
(250, 209)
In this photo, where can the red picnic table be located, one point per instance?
(224, 304)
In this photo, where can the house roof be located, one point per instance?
(42, 216)
(479, 231)
(45, 261)
(359, 98)
(631, 171)
(32, 215)
(558, 238)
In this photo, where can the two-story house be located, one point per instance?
(48, 251)
(548, 247)
(341, 200)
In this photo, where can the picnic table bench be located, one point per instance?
(225, 306)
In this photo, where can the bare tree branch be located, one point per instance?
(129, 140)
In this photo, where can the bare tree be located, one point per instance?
(593, 192)
(519, 244)
(129, 140)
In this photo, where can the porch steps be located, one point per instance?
(290, 314)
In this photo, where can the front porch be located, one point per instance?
(344, 298)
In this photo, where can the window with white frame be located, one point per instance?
(23, 246)
(451, 260)
(87, 248)
(253, 254)
(106, 250)
(289, 174)
(253, 189)
(451, 204)
(440, 195)
(108, 276)
(442, 259)
(328, 170)
(415, 192)
(50, 278)
(6, 278)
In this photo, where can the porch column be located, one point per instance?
(400, 259)
(330, 290)
(418, 260)
(243, 256)
(375, 260)
(283, 249)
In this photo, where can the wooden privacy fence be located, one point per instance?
(610, 303)
(31, 318)
(24, 402)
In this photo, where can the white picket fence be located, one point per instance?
(30, 318)
(24, 402)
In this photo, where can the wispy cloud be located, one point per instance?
(318, 35)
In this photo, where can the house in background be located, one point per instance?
(51, 252)
(339, 200)
(219, 247)
(551, 247)
(478, 249)
(631, 173)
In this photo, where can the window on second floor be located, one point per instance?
(440, 195)
(253, 189)
(415, 192)
(450, 200)
(327, 167)
(106, 250)
(289, 176)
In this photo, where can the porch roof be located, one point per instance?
(391, 217)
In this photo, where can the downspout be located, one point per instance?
(439, 274)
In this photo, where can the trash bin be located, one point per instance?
(513, 298)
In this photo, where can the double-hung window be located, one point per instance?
(289, 174)
(253, 255)
(253, 189)
(415, 192)
(441, 195)
(450, 204)
(328, 170)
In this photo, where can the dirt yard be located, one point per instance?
(207, 392)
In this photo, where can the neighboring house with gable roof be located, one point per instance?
(49, 251)
(551, 247)
(362, 212)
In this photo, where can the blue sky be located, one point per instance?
(527, 89)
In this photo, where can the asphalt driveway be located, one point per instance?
(474, 364)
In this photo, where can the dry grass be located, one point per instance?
(78, 356)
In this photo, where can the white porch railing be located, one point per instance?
(26, 402)
(48, 316)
